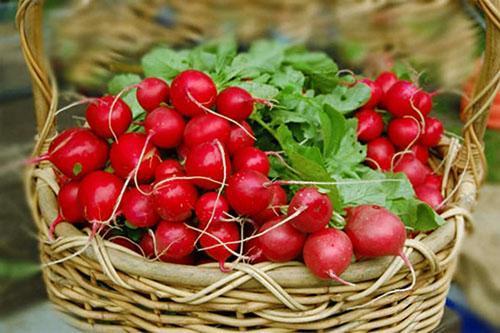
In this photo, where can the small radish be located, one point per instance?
(415, 170)
(238, 138)
(254, 251)
(98, 117)
(174, 240)
(186, 260)
(370, 124)
(379, 153)
(76, 152)
(204, 209)
(175, 200)
(432, 132)
(434, 180)
(206, 128)
(279, 198)
(189, 87)
(247, 192)
(318, 210)
(421, 153)
(235, 103)
(165, 126)
(182, 152)
(151, 92)
(422, 100)
(403, 132)
(139, 209)
(398, 100)
(207, 160)
(386, 80)
(281, 244)
(127, 243)
(429, 194)
(251, 158)
(125, 155)
(147, 245)
(70, 209)
(375, 93)
(226, 233)
(328, 253)
(167, 169)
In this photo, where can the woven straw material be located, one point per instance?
(106, 288)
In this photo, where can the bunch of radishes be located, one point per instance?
(409, 134)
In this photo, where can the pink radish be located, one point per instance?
(151, 92)
(102, 123)
(254, 251)
(415, 170)
(421, 153)
(251, 158)
(192, 85)
(206, 128)
(238, 138)
(375, 93)
(379, 154)
(386, 80)
(70, 209)
(328, 253)
(175, 200)
(139, 209)
(281, 244)
(222, 232)
(429, 194)
(247, 192)
(174, 240)
(207, 160)
(399, 99)
(167, 169)
(318, 210)
(165, 126)
(403, 132)
(235, 103)
(432, 132)
(278, 198)
(370, 124)
(205, 212)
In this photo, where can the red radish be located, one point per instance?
(175, 200)
(247, 192)
(432, 132)
(422, 101)
(207, 160)
(151, 92)
(278, 198)
(174, 240)
(125, 155)
(398, 100)
(429, 194)
(328, 253)
(186, 260)
(127, 243)
(139, 209)
(104, 125)
(379, 153)
(281, 244)
(167, 169)
(403, 132)
(165, 127)
(205, 208)
(415, 170)
(238, 138)
(370, 124)
(235, 103)
(225, 233)
(147, 245)
(251, 158)
(318, 210)
(70, 209)
(386, 80)
(76, 152)
(182, 152)
(254, 251)
(375, 93)
(189, 87)
(421, 153)
(206, 128)
(434, 180)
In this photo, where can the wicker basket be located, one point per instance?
(108, 288)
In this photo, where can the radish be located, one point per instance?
(278, 198)
(421, 153)
(434, 180)
(398, 100)
(151, 92)
(186, 260)
(222, 232)
(192, 86)
(205, 211)
(103, 123)
(167, 169)
(281, 244)
(328, 253)
(254, 251)
(210, 161)
(70, 209)
(403, 132)
(235, 103)
(139, 209)
(429, 194)
(375, 93)
(126, 153)
(238, 138)
(247, 192)
(386, 80)
(147, 245)
(174, 240)
(175, 200)
(370, 124)
(379, 154)
(415, 170)
(422, 101)
(206, 128)
(165, 126)
(432, 132)
(182, 152)
(127, 243)
(318, 210)
(251, 158)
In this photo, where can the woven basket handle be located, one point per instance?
(29, 21)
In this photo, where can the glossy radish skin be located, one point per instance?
(166, 127)
(175, 200)
(125, 154)
(432, 132)
(421, 153)
(239, 139)
(182, 152)
(147, 245)
(254, 251)
(205, 207)
(386, 80)
(70, 209)
(251, 158)
(281, 244)
(398, 100)
(381, 151)
(328, 253)
(415, 170)
(167, 169)
(201, 88)
(403, 132)
(423, 101)
(151, 92)
(246, 192)
(375, 93)
(370, 124)
(318, 210)
(225, 232)
(434, 180)
(207, 160)
(174, 240)
(98, 114)
(278, 198)
(429, 194)
(139, 209)
(206, 128)
(235, 103)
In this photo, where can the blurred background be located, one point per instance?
(89, 40)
